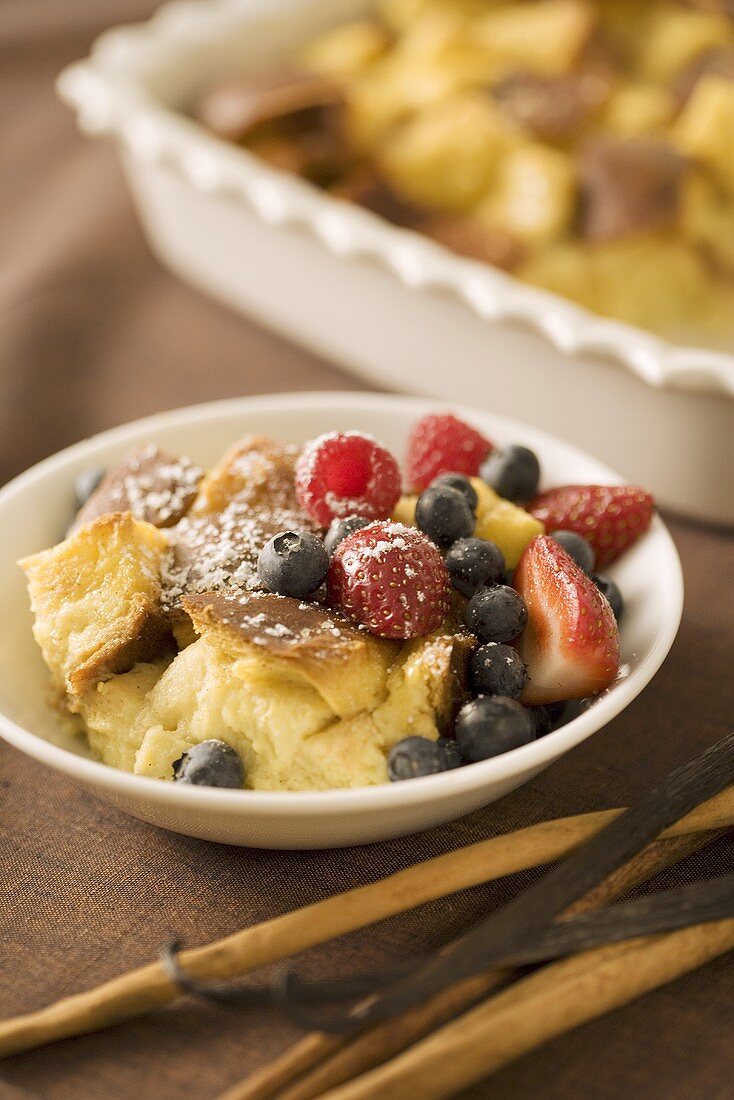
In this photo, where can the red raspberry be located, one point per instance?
(346, 474)
(442, 444)
(611, 517)
(391, 579)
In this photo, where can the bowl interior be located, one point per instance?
(37, 506)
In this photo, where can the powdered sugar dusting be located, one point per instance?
(213, 553)
(156, 487)
(277, 623)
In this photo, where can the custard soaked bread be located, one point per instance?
(307, 700)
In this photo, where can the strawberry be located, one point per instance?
(343, 474)
(611, 517)
(391, 579)
(442, 444)
(571, 643)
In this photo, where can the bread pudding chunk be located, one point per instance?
(155, 486)
(96, 598)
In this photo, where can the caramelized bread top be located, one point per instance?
(242, 502)
(155, 486)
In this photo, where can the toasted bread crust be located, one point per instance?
(97, 600)
(257, 471)
(155, 486)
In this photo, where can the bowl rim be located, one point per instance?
(111, 96)
(526, 759)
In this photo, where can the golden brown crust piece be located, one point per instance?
(449, 683)
(282, 626)
(256, 471)
(157, 487)
(96, 601)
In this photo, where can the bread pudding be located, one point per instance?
(300, 619)
(583, 145)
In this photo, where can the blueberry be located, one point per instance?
(293, 563)
(498, 670)
(451, 754)
(577, 547)
(210, 764)
(85, 483)
(556, 712)
(462, 484)
(492, 725)
(513, 472)
(509, 578)
(473, 562)
(416, 756)
(496, 614)
(443, 514)
(339, 530)
(541, 720)
(608, 588)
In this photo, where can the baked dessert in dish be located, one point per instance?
(312, 618)
(583, 145)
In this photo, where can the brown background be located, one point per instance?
(92, 333)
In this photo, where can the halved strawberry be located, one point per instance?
(611, 517)
(571, 643)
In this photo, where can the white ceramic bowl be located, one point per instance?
(387, 303)
(36, 507)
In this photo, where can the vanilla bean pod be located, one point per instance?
(522, 920)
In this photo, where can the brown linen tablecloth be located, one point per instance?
(92, 333)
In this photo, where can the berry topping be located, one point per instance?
(444, 515)
(441, 443)
(496, 614)
(610, 590)
(340, 528)
(464, 486)
(611, 517)
(293, 563)
(416, 756)
(571, 644)
(498, 669)
(492, 725)
(474, 562)
(391, 579)
(85, 483)
(577, 547)
(346, 473)
(513, 472)
(210, 764)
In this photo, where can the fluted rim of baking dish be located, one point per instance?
(110, 97)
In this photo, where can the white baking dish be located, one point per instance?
(391, 305)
